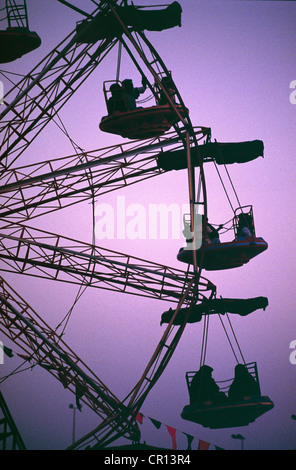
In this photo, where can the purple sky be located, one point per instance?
(233, 62)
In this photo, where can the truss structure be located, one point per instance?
(34, 252)
(10, 438)
(33, 102)
(43, 346)
(31, 191)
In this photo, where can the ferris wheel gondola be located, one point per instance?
(233, 254)
(245, 245)
(215, 412)
(17, 40)
(231, 402)
(135, 122)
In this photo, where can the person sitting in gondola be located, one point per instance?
(244, 386)
(167, 83)
(245, 226)
(212, 235)
(132, 93)
(204, 390)
(117, 101)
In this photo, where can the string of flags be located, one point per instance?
(202, 445)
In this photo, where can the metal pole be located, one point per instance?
(191, 185)
(240, 437)
(73, 428)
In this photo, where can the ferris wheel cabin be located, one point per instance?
(242, 411)
(215, 255)
(138, 123)
(17, 40)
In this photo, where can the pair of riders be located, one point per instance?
(204, 389)
(123, 98)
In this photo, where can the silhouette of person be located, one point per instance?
(117, 101)
(212, 234)
(203, 388)
(243, 386)
(132, 93)
(167, 83)
(245, 226)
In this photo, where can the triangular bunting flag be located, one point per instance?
(8, 351)
(79, 394)
(46, 366)
(172, 432)
(157, 424)
(203, 445)
(189, 440)
(23, 356)
(139, 418)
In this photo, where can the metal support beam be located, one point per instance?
(37, 98)
(42, 345)
(34, 252)
(30, 191)
(10, 438)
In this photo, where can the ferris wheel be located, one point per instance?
(161, 138)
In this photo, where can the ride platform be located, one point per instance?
(225, 255)
(141, 123)
(16, 42)
(235, 414)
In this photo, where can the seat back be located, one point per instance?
(225, 384)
